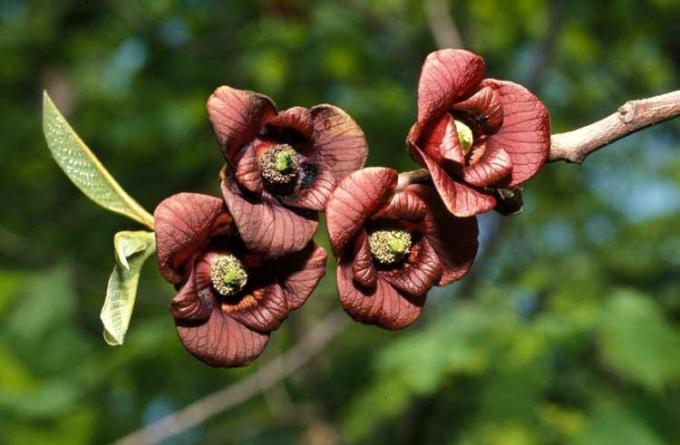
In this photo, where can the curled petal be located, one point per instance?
(381, 305)
(296, 118)
(447, 76)
(183, 224)
(442, 142)
(418, 273)
(247, 171)
(190, 304)
(262, 145)
(300, 273)
(356, 198)
(314, 188)
(266, 226)
(485, 108)
(261, 309)
(338, 140)
(492, 170)
(237, 116)
(525, 134)
(403, 205)
(460, 199)
(363, 269)
(453, 239)
(221, 340)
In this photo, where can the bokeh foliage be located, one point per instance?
(570, 334)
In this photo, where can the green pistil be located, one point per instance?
(228, 275)
(389, 247)
(279, 165)
(285, 161)
(399, 245)
(465, 136)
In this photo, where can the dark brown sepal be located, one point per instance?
(509, 201)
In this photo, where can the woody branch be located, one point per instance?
(575, 146)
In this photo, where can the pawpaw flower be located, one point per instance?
(228, 298)
(475, 135)
(393, 245)
(282, 166)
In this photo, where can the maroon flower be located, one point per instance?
(475, 135)
(393, 246)
(229, 298)
(283, 166)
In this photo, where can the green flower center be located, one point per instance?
(465, 136)
(228, 276)
(389, 247)
(279, 165)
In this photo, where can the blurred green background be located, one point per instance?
(567, 332)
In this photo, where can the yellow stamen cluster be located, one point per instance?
(228, 276)
(389, 247)
(279, 165)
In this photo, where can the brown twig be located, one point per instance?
(441, 24)
(417, 176)
(634, 115)
(266, 377)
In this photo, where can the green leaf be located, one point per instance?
(613, 424)
(84, 169)
(132, 249)
(638, 342)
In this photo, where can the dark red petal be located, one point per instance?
(247, 171)
(460, 199)
(301, 273)
(221, 341)
(363, 269)
(356, 198)
(297, 118)
(442, 141)
(262, 309)
(447, 75)
(453, 239)
(381, 305)
(525, 133)
(183, 224)
(261, 145)
(492, 170)
(419, 273)
(338, 140)
(237, 116)
(191, 304)
(265, 225)
(314, 188)
(403, 205)
(485, 107)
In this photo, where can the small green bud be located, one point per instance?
(465, 136)
(389, 246)
(228, 276)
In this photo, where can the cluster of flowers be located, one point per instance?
(242, 262)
